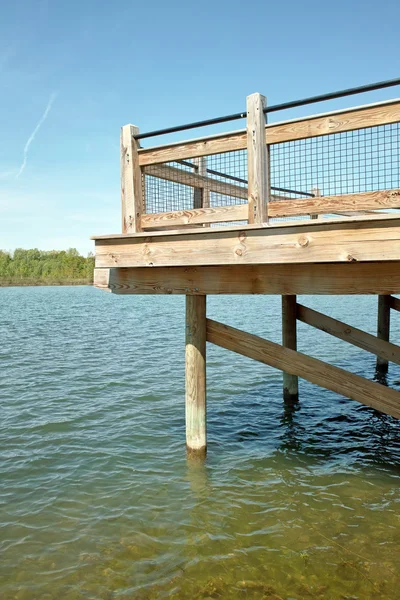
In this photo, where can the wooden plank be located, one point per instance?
(349, 334)
(352, 119)
(234, 212)
(335, 204)
(131, 181)
(257, 168)
(373, 218)
(395, 303)
(381, 113)
(316, 371)
(196, 421)
(382, 364)
(339, 278)
(317, 242)
(196, 180)
(289, 340)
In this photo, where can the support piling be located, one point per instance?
(196, 413)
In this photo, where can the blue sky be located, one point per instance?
(71, 73)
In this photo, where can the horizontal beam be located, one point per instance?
(394, 303)
(342, 278)
(334, 204)
(235, 212)
(197, 181)
(369, 238)
(283, 207)
(316, 371)
(349, 334)
(323, 124)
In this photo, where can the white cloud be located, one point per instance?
(33, 134)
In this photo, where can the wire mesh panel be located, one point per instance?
(217, 180)
(364, 160)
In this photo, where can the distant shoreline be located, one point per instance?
(41, 282)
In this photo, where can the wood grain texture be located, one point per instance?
(357, 118)
(289, 340)
(352, 241)
(216, 214)
(276, 208)
(349, 334)
(335, 204)
(131, 181)
(342, 382)
(381, 113)
(196, 421)
(257, 167)
(293, 225)
(342, 278)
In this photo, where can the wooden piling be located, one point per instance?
(289, 340)
(382, 364)
(196, 422)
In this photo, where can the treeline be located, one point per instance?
(38, 267)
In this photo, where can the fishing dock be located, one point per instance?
(304, 206)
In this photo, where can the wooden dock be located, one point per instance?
(205, 216)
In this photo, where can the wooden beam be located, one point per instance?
(257, 167)
(234, 212)
(131, 181)
(349, 334)
(341, 278)
(196, 421)
(381, 113)
(277, 208)
(395, 303)
(196, 180)
(382, 364)
(336, 204)
(368, 240)
(316, 371)
(289, 340)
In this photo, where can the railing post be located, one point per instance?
(201, 196)
(382, 364)
(317, 193)
(196, 417)
(257, 160)
(289, 340)
(131, 181)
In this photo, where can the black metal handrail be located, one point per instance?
(274, 108)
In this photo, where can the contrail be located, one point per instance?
(33, 134)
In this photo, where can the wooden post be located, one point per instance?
(317, 193)
(196, 439)
(257, 160)
(201, 196)
(382, 364)
(289, 340)
(131, 181)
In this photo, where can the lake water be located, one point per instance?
(98, 500)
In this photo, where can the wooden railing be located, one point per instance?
(138, 163)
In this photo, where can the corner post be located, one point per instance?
(257, 160)
(382, 365)
(196, 416)
(131, 181)
(289, 340)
